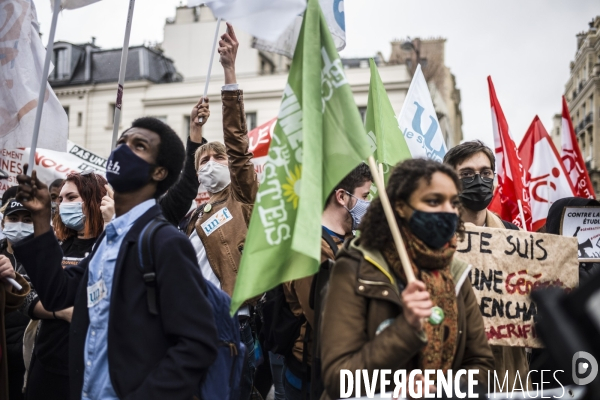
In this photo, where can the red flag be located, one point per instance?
(511, 200)
(572, 159)
(548, 179)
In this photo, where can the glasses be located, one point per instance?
(486, 175)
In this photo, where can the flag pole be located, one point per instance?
(212, 56)
(389, 214)
(522, 214)
(44, 84)
(123, 68)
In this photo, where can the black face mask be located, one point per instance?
(125, 171)
(478, 194)
(435, 229)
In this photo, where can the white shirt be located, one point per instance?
(205, 268)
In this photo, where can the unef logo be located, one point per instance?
(220, 218)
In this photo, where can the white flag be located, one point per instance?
(71, 4)
(418, 121)
(49, 164)
(285, 44)
(265, 19)
(21, 63)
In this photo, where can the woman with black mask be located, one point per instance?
(373, 319)
(77, 223)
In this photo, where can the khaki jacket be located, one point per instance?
(363, 326)
(297, 294)
(9, 302)
(511, 359)
(224, 245)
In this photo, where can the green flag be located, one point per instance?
(318, 139)
(387, 141)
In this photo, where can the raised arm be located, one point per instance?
(244, 182)
(178, 200)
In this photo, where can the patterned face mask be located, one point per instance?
(358, 211)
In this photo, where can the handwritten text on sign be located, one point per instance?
(506, 266)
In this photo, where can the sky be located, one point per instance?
(525, 45)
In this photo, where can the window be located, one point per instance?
(79, 119)
(61, 64)
(66, 108)
(590, 146)
(161, 118)
(363, 113)
(251, 120)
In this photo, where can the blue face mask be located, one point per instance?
(358, 211)
(435, 229)
(72, 216)
(17, 231)
(125, 171)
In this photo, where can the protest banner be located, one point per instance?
(506, 266)
(50, 164)
(22, 56)
(418, 121)
(545, 172)
(583, 223)
(259, 140)
(511, 199)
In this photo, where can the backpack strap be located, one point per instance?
(146, 260)
(327, 237)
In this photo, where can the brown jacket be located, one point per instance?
(9, 302)
(511, 359)
(224, 245)
(297, 294)
(364, 298)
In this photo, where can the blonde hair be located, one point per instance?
(216, 147)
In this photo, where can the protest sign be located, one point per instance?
(583, 223)
(506, 266)
(50, 164)
(259, 140)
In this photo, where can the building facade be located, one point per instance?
(582, 92)
(167, 80)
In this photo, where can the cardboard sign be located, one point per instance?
(506, 265)
(584, 224)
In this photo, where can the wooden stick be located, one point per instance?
(210, 63)
(522, 214)
(381, 173)
(122, 70)
(43, 85)
(389, 214)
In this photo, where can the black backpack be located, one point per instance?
(280, 327)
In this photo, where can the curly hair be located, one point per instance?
(404, 180)
(171, 152)
(91, 189)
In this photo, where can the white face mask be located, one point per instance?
(17, 231)
(214, 176)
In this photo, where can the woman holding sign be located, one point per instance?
(374, 320)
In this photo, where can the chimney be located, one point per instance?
(93, 40)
